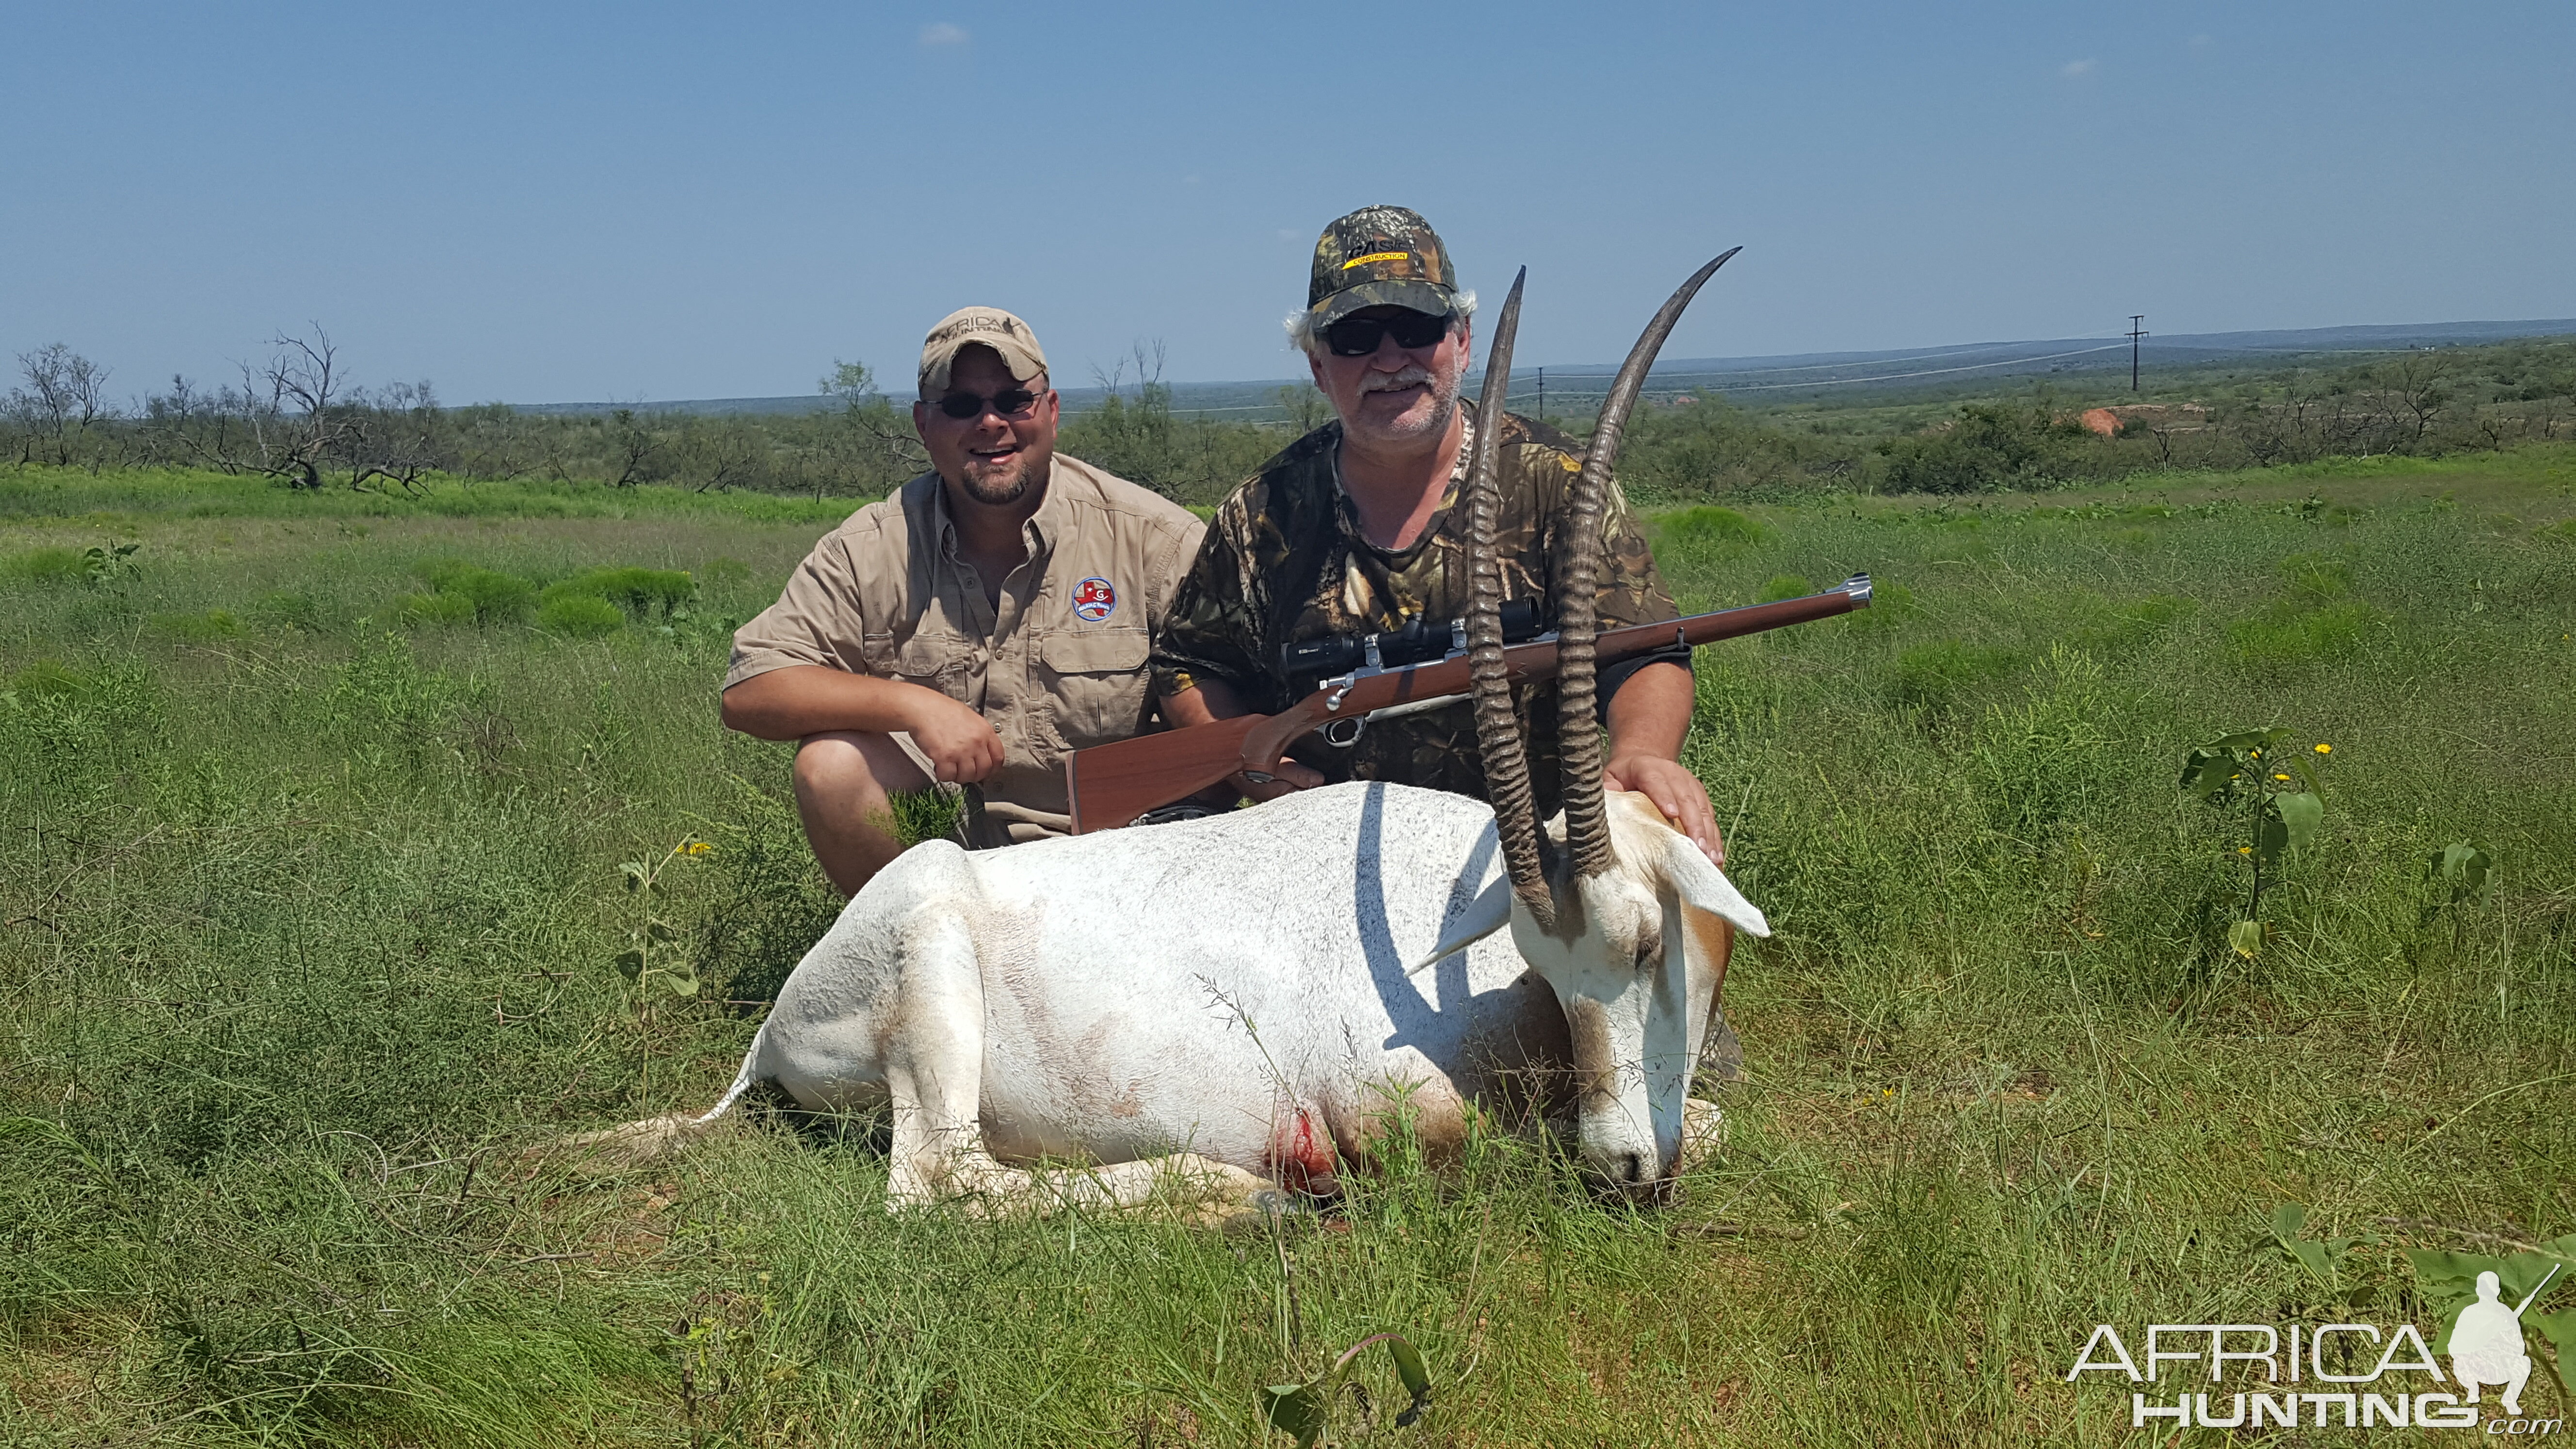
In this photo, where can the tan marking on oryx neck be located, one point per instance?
(1596, 1074)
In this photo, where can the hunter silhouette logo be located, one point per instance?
(2486, 1343)
(1094, 599)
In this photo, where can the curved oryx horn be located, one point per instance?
(1498, 731)
(1587, 830)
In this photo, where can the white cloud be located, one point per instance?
(944, 33)
(2074, 68)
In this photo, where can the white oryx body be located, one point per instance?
(1235, 988)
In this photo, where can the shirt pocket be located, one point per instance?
(930, 663)
(1096, 682)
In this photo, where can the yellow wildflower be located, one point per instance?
(700, 847)
(2325, 749)
(2280, 777)
(2244, 850)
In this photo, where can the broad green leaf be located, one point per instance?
(2560, 1329)
(2287, 1219)
(1417, 1379)
(2313, 1257)
(660, 930)
(2463, 867)
(683, 982)
(1296, 1410)
(2247, 938)
(2300, 815)
(2205, 773)
(2269, 838)
(636, 876)
(630, 964)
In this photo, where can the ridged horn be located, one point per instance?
(1587, 829)
(1498, 731)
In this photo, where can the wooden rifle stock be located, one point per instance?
(1111, 785)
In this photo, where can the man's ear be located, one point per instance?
(921, 420)
(1706, 887)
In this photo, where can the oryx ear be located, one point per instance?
(1489, 912)
(1705, 886)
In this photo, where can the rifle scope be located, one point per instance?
(1416, 643)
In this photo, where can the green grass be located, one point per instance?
(307, 920)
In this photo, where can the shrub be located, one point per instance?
(496, 597)
(1708, 528)
(441, 608)
(46, 679)
(1988, 447)
(2296, 636)
(640, 592)
(44, 565)
(295, 608)
(1929, 679)
(1785, 586)
(581, 616)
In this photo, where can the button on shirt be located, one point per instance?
(1062, 663)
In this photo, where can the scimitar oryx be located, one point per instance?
(1245, 1000)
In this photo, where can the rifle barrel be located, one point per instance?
(1110, 785)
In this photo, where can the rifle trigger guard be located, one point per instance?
(1341, 734)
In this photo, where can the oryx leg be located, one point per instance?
(932, 1031)
(934, 1036)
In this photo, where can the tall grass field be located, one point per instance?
(314, 820)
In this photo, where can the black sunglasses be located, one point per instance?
(1358, 336)
(1010, 402)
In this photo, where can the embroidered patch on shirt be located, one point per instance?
(1094, 599)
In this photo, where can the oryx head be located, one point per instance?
(1618, 910)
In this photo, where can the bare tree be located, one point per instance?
(305, 401)
(633, 448)
(65, 393)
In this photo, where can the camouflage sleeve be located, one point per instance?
(1632, 589)
(1214, 628)
(1632, 592)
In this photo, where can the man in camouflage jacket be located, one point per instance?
(1355, 529)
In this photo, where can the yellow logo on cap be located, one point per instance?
(1377, 257)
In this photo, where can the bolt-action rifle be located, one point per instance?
(1385, 675)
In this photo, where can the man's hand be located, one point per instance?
(1676, 792)
(1211, 700)
(962, 745)
(1286, 778)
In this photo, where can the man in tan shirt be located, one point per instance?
(990, 617)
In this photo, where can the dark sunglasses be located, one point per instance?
(1358, 336)
(1010, 402)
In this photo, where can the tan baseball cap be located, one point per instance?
(988, 326)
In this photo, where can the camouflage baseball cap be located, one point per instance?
(973, 327)
(1380, 256)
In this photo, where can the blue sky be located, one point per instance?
(541, 202)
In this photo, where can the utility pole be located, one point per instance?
(2135, 332)
(1542, 394)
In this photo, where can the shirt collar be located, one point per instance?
(1458, 470)
(1045, 526)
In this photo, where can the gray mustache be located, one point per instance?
(1410, 375)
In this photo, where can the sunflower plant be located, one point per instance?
(2258, 777)
(656, 957)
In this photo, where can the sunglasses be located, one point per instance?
(1010, 402)
(1358, 336)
